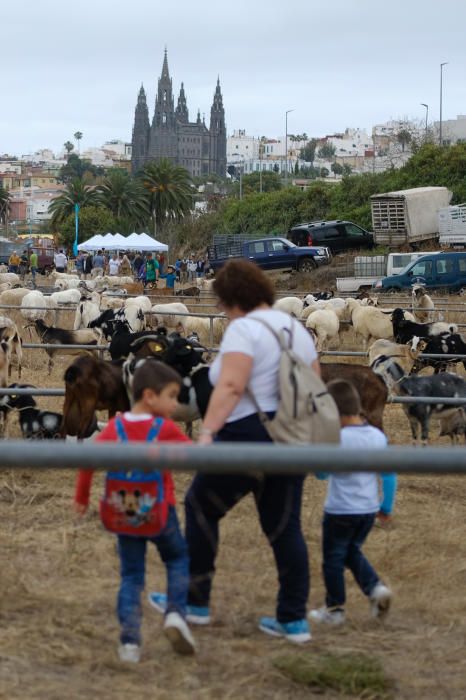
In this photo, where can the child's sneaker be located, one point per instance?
(130, 653)
(178, 633)
(195, 614)
(327, 616)
(297, 631)
(380, 598)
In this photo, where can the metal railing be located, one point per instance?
(221, 459)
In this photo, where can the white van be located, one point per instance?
(368, 269)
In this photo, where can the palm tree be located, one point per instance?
(170, 190)
(76, 192)
(125, 197)
(4, 206)
(68, 146)
(78, 136)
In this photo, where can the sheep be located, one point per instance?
(369, 322)
(64, 284)
(393, 361)
(10, 277)
(4, 286)
(291, 305)
(142, 301)
(205, 284)
(54, 275)
(170, 321)
(11, 342)
(324, 325)
(454, 425)
(423, 305)
(109, 302)
(36, 300)
(3, 268)
(86, 312)
(4, 370)
(69, 296)
(201, 326)
(337, 305)
(13, 297)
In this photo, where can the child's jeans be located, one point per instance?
(132, 550)
(342, 539)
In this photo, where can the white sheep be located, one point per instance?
(63, 284)
(291, 305)
(86, 312)
(10, 277)
(142, 301)
(336, 304)
(36, 300)
(54, 275)
(69, 296)
(107, 301)
(170, 321)
(324, 325)
(201, 327)
(4, 286)
(11, 342)
(369, 322)
(3, 268)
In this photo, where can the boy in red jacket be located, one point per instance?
(155, 390)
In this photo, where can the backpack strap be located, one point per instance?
(152, 435)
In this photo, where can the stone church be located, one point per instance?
(201, 150)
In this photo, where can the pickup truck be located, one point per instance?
(269, 253)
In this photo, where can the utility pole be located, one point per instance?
(286, 145)
(423, 104)
(441, 98)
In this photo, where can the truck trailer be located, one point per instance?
(407, 217)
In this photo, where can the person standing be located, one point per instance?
(87, 265)
(249, 359)
(98, 264)
(60, 261)
(169, 277)
(350, 510)
(79, 262)
(114, 265)
(33, 262)
(13, 262)
(152, 269)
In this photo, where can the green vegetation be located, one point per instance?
(169, 191)
(350, 674)
(92, 219)
(4, 205)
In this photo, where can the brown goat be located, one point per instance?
(370, 387)
(91, 385)
(188, 292)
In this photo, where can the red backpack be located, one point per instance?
(134, 503)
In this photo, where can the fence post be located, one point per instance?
(211, 331)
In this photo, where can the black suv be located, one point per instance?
(338, 236)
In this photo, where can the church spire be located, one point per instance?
(141, 127)
(182, 108)
(165, 72)
(164, 103)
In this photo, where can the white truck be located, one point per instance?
(369, 268)
(407, 217)
(452, 226)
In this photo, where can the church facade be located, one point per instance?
(201, 150)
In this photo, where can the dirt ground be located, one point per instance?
(59, 580)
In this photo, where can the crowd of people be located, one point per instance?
(245, 379)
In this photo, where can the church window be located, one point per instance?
(164, 94)
(164, 118)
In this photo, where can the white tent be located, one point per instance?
(95, 243)
(143, 242)
(119, 242)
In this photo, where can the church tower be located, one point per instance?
(182, 113)
(140, 138)
(163, 134)
(218, 134)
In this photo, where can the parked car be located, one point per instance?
(338, 235)
(269, 253)
(434, 271)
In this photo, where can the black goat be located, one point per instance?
(35, 424)
(62, 336)
(404, 330)
(445, 344)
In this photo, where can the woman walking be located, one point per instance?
(248, 360)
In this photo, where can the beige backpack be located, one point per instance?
(306, 412)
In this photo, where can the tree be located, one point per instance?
(327, 151)
(308, 153)
(4, 206)
(78, 136)
(68, 146)
(170, 191)
(92, 220)
(125, 197)
(324, 172)
(77, 167)
(347, 169)
(76, 192)
(404, 137)
(251, 183)
(336, 168)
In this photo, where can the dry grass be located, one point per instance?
(59, 579)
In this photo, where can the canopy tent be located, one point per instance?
(115, 241)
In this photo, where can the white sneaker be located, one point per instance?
(327, 616)
(178, 633)
(380, 599)
(130, 653)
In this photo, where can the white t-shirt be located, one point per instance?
(250, 337)
(114, 266)
(60, 260)
(355, 493)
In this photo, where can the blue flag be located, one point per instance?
(76, 221)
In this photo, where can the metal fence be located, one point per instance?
(221, 459)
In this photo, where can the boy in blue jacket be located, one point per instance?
(350, 510)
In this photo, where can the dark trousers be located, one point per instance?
(343, 537)
(132, 551)
(278, 503)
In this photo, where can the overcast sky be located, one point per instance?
(338, 63)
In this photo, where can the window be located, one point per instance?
(422, 269)
(276, 246)
(164, 118)
(353, 230)
(462, 264)
(258, 247)
(332, 233)
(444, 266)
(164, 94)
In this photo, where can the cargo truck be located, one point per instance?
(452, 226)
(408, 217)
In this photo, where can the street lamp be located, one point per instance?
(286, 145)
(441, 93)
(423, 104)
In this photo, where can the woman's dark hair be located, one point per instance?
(346, 397)
(154, 375)
(241, 283)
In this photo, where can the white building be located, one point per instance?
(453, 130)
(121, 149)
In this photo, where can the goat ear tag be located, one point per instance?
(155, 347)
